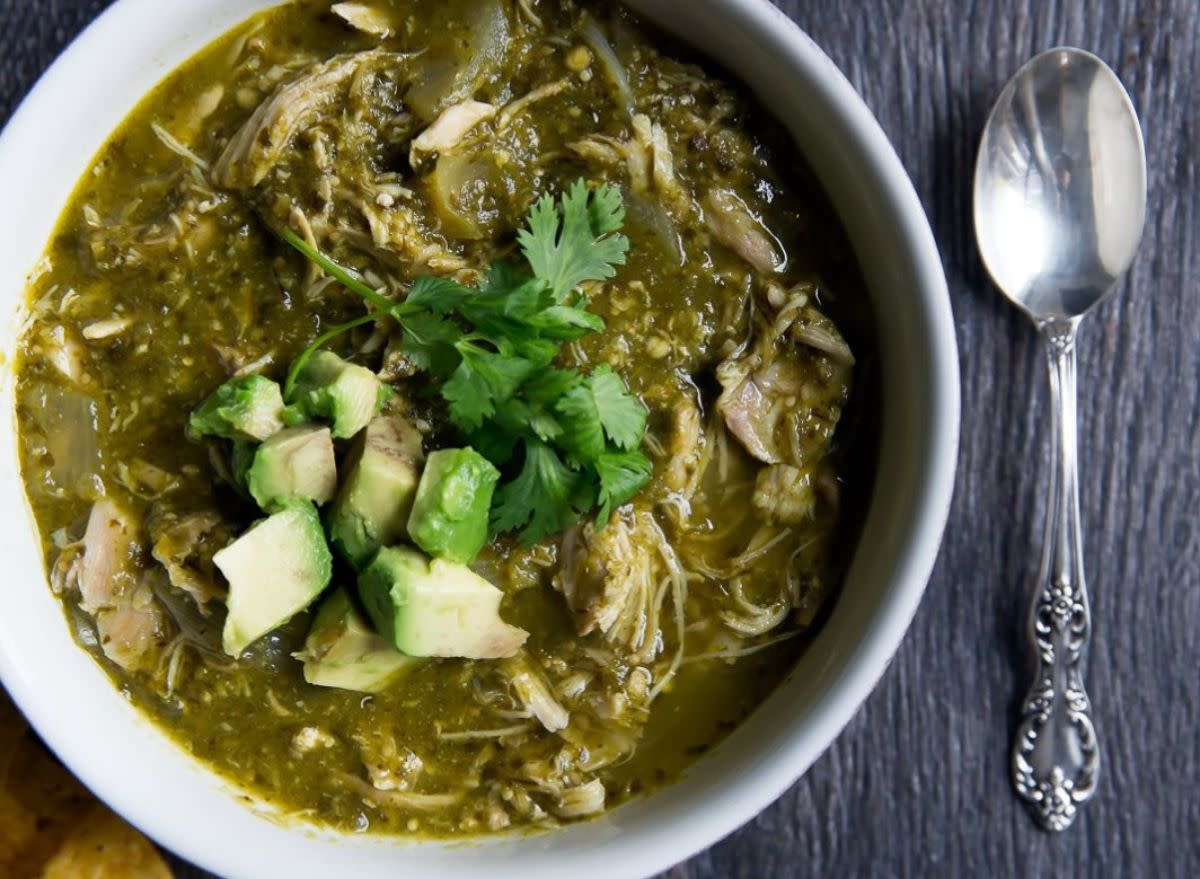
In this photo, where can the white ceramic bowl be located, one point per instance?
(138, 771)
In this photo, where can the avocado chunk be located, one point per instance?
(377, 491)
(435, 608)
(296, 464)
(449, 518)
(241, 458)
(275, 570)
(247, 408)
(342, 651)
(346, 394)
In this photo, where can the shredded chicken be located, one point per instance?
(397, 237)
(734, 225)
(260, 142)
(106, 570)
(185, 545)
(107, 328)
(109, 563)
(65, 353)
(686, 446)
(134, 630)
(814, 329)
(389, 766)
(535, 694)
(365, 17)
(448, 130)
(600, 570)
(769, 391)
(144, 479)
(515, 108)
(785, 494)
(660, 162)
(587, 799)
(647, 157)
(309, 738)
(616, 579)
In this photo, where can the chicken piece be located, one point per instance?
(586, 799)
(397, 237)
(817, 331)
(145, 479)
(744, 407)
(784, 494)
(733, 224)
(773, 384)
(599, 148)
(448, 130)
(516, 107)
(134, 631)
(652, 138)
(185, 545)
(647, 157)
(610, 577)
(760, 388)
(65, 353)
(535, 694)
(108, 567)
(365, 17)
(686, 446)
(112, 589)
(260, 142)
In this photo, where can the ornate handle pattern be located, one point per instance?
(1056, 760)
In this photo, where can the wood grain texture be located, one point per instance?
(917, 785)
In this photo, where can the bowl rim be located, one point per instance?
(861, 669)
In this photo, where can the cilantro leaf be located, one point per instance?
(547, 385)
(504, 275)
(583, 432)
(481, 380)
(497, 446)
(543, 495)
(622, 475)
(520, 417)
(567, 322)
(429, 340)
(599, 406)
(622, 414)
(576, 241)
(438, 295)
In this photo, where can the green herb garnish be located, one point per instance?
(567, 441)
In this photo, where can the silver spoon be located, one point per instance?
(1060, 198)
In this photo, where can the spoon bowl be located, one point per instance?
(1060, 185)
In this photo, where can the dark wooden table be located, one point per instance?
(917, 785)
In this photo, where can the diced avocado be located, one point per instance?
(344, 393)
(343, 651)
(296, 464)
(435, 608)
(250, 407)
(449, 518)
(241, 457)
(377, 491)
(275, 570)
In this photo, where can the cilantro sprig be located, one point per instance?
(567, 441)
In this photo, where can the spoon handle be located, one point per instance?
(1055, 759)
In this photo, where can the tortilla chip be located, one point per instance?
(39, 800)
(102, 846)
(51, 826)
